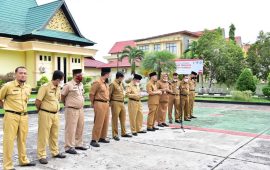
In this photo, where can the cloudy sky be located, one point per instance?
(108, 21)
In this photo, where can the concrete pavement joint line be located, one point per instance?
(247, 161)
(241, 147)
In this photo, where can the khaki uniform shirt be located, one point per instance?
(192, 85)
(49, 95)
(100, 90)
(15, 96)
(133, 91)
(184, 88)
(174, 85)
(73, 93)
(151, 87)
(117, 91)
(163, 85)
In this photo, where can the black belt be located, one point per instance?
(48, 111)
(184, 94)
(191, 90)
(134, 99)
(174, 94)
(74, 108)
(17, 113)
(118, 101)
(101, 101)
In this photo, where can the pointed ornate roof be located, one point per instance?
(24, 19)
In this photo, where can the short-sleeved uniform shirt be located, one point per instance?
(151, 87)
(15, 96)
(117, 91)
(100, 90)
(133, 91)
(184, 88)
(73, 93)
(50, 96)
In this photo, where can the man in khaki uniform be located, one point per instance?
(48, 106)
(174, 99)
(184, 93)
(192, 86)
(14, 98)
(73, 99)
(163, 85)
(99, 97)
(117, 106)
(135, 105)
(153, 101)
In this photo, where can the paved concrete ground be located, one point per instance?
(224, 136)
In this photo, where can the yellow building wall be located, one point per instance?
(31, 68)
(9, 60)
(92, 72)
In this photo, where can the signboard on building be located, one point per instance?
(185, 66)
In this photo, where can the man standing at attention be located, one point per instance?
(192, 86)
(184, 92)
(73, 99)
(135, 105)
(153, 101)
(118, 109)
(99, 97)
(174, 99)
(13, 99)
(48, 106)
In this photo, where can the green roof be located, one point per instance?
(25, 19)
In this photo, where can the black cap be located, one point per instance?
(119, 74)
(194, 73)
(152, 74)
(76, 71)
(105, 70)
(175, 74)
(137, 77)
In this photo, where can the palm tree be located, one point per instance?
(133, 55)
(159, 61)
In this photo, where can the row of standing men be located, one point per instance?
(14, 98)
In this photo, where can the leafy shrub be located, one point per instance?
(266, 91)
(245, 81)
(256, 80)
(42, 81)
(241, 95)
(6, 78)
(69, 78)
(268, 79)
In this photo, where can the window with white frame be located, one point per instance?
(144, 47)
(171, 47)
(157, 47)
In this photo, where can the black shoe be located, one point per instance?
(193, 117)
(116, 138)
(126, 136)
(187, 120)
(71, 151)
(165, 125)
(142, 131)
(134, 134)
(81, 148)
(29, 164)
(61, 156)
(43, 161)
(155, 128)
(150, 129)
(101, 140)
(160, 125)
(177, 121)
(94, 143)
(170, 121)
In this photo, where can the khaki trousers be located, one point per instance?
(118, 111)
(74, 127)
(184, 106)
(101, 120)
(135, 115)
(162, 111)
(191, 102)
(152, 115)
(14, 126)
(48, 129)
(174, 102)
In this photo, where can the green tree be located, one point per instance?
(232, 33)
(133, 55)
(258, 56)
(159, 61)
(245, 81)
(191, 52)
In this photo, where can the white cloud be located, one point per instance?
(108, 21)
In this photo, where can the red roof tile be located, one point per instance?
(90, 63)
(119, 46)
(123, 63)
